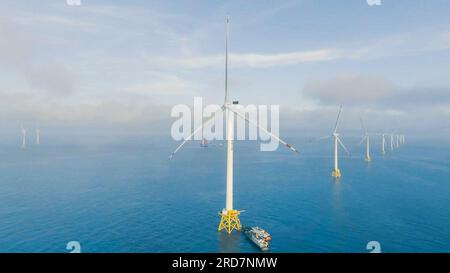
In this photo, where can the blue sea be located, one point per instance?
(125, 195)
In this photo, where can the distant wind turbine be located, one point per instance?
(366, 137)
(38, 136)
(24, 141)
(392, 142)
(383, 143)
(337, 141)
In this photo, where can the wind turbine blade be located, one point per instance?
(362, 140)
(264, 129)
(337, 120)
(343, 146)
(208, 121)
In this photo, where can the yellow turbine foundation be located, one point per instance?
(368, 159)
(336, 173)
(229, 221)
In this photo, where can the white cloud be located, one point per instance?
(19, 54)
(33, 18)
(254, 59)
(402, 44)
(168, 85)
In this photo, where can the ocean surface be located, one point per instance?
(125, 195)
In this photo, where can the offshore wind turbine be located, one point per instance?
(38, 136)
(397, 145)
(383, 143)
(336, 172)
(229, 215)
(24, 136)
(366, 137)
(392, 142)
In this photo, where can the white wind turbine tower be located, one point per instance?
(392, 142)
(366, 137)
(229, 216)
(24, 141)
(337, 141)
(383, 143)
(38, 136)
(397, 145)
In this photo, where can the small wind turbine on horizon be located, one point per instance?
(392, 141)
(38, 136)
(24, 141)
(229, 216)
(366, 137)
(383, 143)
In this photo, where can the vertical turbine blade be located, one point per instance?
(337, 120)
(226, 59)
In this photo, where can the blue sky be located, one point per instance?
(126, 63)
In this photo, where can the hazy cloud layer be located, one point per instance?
(376, 92)
(19, 53)
(402, 44)
(255, 60)
(385, 106)
(128, 64)
(350, 89)
(25, 108)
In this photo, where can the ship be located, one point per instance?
(204, 143)
(258, 236)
